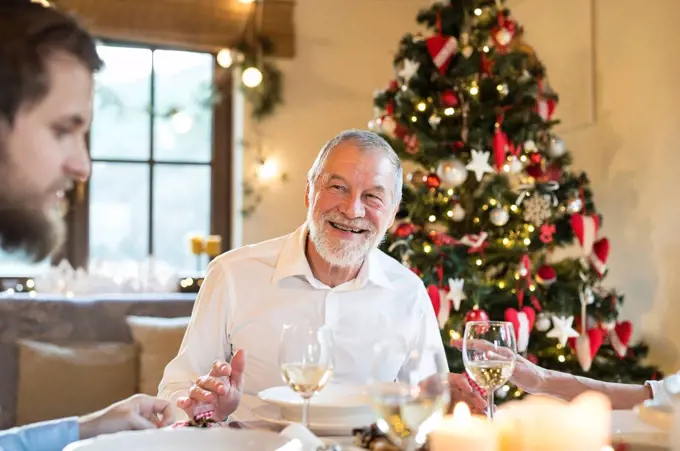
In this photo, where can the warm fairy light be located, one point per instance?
(501, 284)
(506, 168)
(532, 287)
(506, 241)
(514, 208)
(414, 119)
(478, 11)
(561, 358)
(432, 218)
(449, 111)
(225, 58)
(479, 262)
(421, 106)
(252, 77)
(485, 207)
(454, 334)
(517, 276)
(427, 248)
(493, 201)
(476, 220)
(486, 49)
(531, 228)
(449, 213)
(450, 192)
(474, 90)
(527, 241)
(523, 158)
(268, 169)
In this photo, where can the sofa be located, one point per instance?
(64, 357)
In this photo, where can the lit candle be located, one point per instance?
(213, 245)
(462, 431)
(196, 245)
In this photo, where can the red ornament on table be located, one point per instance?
(598, 258)
(441, 49)
(619, 337)
(404, 230)
(432, 181)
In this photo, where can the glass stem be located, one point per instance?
(305, 412)
(489, 401)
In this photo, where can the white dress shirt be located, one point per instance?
(250, 293)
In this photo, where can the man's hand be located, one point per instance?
(221, 388)
(527, 376)
(135, 413)
(461, 390)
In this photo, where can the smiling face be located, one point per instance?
(42, 152)
(351, 204)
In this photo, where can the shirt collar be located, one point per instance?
(293, 262)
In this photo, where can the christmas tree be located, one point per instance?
(490, 196)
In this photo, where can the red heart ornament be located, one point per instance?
(523, 322)
(619, 337)
(435, 298)
(441, 49)
(586, 346)
(599, 256)
(585, 228)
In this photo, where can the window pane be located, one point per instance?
(122, 102)
(183, 126)
(181, 209)
(17, 264)
(119, 211)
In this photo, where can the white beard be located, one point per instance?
(337, 252)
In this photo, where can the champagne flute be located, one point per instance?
(410, 403)
(306, 360)
(489, 355)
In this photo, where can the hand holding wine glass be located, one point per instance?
(490, 366)
(306, 359)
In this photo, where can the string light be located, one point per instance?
(506, 241)
(252, 77)
(268, 169)
(414, 119)
(486, 49)
(454, 334)
(450, 192)
(527, 241)
(421, 106)
(474, 89)
(514, 208)
(561, 359)
(449, 111)
(532, 287)
(476, 220)
(225, 58)
(427, 248)
(432, 218)
(501, 284)
(449, 213)
(479, 262)
(531, 228)
(493, 201)
(523, 158)
(478, 11)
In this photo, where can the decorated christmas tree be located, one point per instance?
(490, 197)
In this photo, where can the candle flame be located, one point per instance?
(461, 411)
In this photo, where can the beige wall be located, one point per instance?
(615, 65)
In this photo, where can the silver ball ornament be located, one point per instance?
(543, 323)
(452, 172)
(499, 216)
(557, 148)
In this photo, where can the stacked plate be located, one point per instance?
(334, 411)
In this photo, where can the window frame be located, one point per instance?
(76, 247)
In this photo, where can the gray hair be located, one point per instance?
(365, 141)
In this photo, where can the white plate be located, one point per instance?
(336, 396)
(185, 439)
(272, 414)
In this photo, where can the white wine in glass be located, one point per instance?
(489, 355)
(409, 406)
(306, 359)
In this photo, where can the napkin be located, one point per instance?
(309, 441)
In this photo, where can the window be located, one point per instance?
(160, 150)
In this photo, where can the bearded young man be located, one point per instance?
(328, 272)
(47, 62)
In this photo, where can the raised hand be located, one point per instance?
(221, 389)
(462, 391)
(527, 376)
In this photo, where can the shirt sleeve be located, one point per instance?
(659, 393)
(205, 340)
(46, 436)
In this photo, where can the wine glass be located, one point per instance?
(489, 355)
(410, 402)
(306, 360)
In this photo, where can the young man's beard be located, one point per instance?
(29, 230)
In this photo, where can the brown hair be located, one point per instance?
(29, 33)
